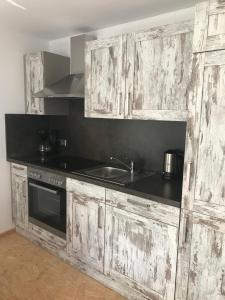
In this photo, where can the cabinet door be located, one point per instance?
(141, 253)
(86, 223)
(207, 263)
(105, 78)
(210, 170)
(20, 201)
(209, 31)
(158, 66)
(34, 81)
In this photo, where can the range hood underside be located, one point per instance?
(71, 86)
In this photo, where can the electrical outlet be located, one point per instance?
(63, 142)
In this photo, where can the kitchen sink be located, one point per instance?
(107, 172)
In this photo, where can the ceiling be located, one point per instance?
(53, 19)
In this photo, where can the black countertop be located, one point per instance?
(153, 187)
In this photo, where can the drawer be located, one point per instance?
(85, 191)
(147, 208)
(19, 170)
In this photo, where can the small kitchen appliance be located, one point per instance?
(173, 164)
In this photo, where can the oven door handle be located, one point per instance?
(43, 188)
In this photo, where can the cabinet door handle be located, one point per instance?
(223, 284)
(138, 203)
(40, 187)
(189, 165)
(24, 189)
(185, 231)
(100, 217)
(18, 168)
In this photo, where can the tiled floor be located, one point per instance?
(29, 272)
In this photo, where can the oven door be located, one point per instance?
(47, 207)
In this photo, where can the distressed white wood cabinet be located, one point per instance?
(47, 240)
(19, 195)
(86, 222)
(105, 78)
(41, 69)
(209, 33)
(204, 188)
(140, 251)
(210, 169)
(202, 219)
(141, 75)
(207, 259)
(158, 69)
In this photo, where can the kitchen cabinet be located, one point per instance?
(140, 75)
(141, 250)
(41, 69)
(105, 78)
(207, 259)
(209, 33)
(158, 69)
(86, 221)
(203, 183)
(203, 187)
(210, 185)
(19, 195)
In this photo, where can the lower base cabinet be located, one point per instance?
(126, 242)
(86, 221)
(140, 252)
(207, 259)
(19, 195)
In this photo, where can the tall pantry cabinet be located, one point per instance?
(201, 267)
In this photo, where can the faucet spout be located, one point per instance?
(130, 168)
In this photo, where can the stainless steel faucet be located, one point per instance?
(130, 168)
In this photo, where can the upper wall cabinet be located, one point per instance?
(105, 78)
(158, 67)
(209, 31)
(41, 69)
(140, 76)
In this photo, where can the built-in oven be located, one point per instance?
(47, 201)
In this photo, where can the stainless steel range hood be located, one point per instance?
(71, 86)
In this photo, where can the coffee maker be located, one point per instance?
(48, 142)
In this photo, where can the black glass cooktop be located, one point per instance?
(63, 163)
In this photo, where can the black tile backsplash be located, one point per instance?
(98, 139)
(141, 141)
(22, 138)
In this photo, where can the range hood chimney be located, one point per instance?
(71, 86)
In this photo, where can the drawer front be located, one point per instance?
(85, 191)
(46, 239)
(144, 207)
(19, 170)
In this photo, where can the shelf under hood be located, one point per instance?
(71, 86)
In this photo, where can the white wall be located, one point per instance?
(12, 48)
(62, 46)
